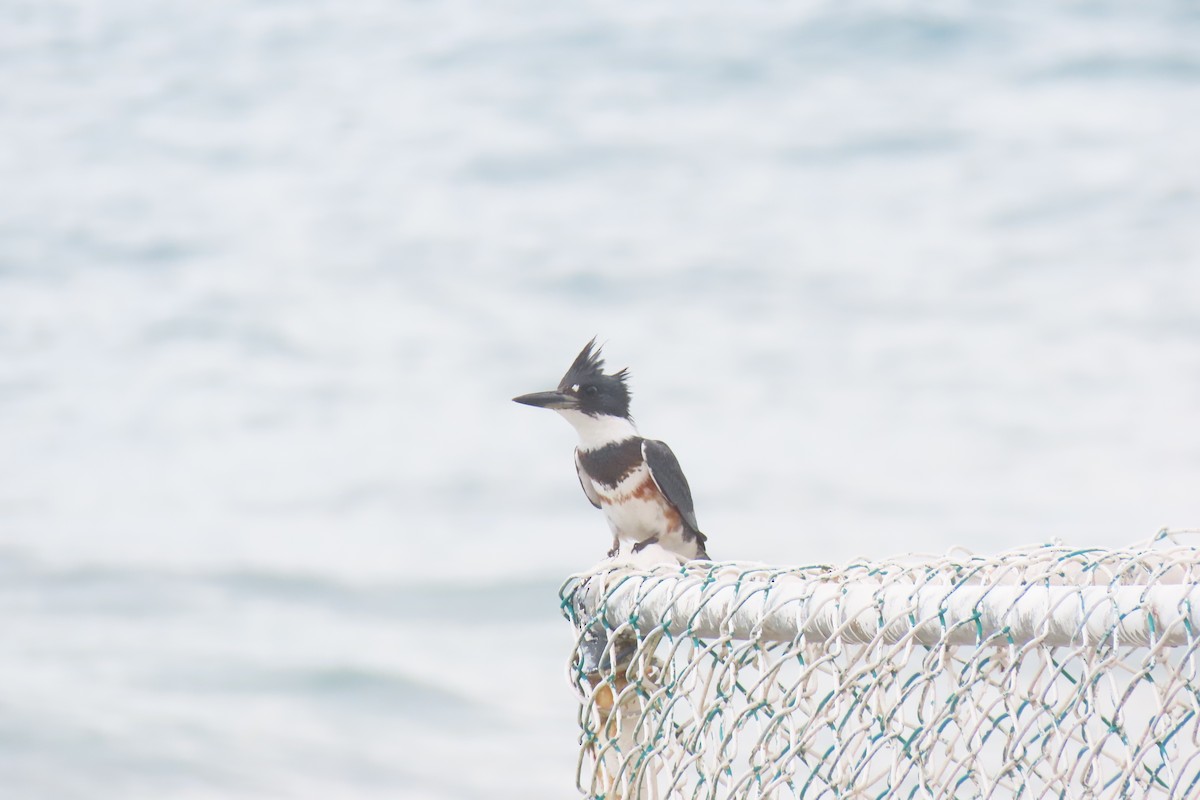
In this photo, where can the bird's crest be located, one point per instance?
(589, 367)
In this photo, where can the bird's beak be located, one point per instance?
(547, 400)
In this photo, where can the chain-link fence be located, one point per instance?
(1042, 672)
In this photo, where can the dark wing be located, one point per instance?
(586, 483)
(667, 475)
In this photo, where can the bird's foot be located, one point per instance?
(616, 548)
(637, 548)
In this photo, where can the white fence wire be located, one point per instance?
(1042, 672)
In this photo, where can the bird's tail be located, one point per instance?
(701, 547)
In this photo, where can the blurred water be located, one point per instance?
(888, 277)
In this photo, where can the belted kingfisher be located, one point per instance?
(637, 482)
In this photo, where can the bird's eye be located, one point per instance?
(590, 390)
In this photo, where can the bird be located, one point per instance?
(636, 482)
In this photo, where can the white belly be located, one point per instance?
(636, 510)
